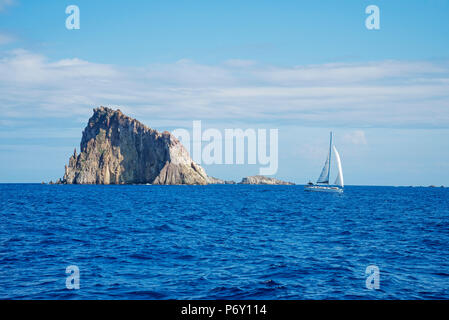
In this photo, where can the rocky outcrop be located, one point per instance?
(116, 149)
(264, 180)
(212, 180)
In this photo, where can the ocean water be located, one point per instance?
(222, 242)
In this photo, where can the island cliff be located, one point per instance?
(116, 149)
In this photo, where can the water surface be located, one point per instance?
(222, 242)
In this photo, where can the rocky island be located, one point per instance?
(116, 149)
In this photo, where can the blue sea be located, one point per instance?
(223, 242)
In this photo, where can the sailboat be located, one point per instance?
(322, 183)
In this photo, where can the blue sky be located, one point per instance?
(287, 33)
(304, 67)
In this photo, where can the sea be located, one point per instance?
(222, 242)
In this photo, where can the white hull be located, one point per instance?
(323, 189)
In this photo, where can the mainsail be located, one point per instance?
(324, 176)
(339, 180)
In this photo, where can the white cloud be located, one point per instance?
(356, 137)
(386, 93)
(346, 73)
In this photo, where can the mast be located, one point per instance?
(330, 156)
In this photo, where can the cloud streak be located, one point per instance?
(375, 94)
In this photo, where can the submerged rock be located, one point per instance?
(116, 149)
(264, 180)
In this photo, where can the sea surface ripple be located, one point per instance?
(222, 242)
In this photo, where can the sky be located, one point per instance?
(302, 67)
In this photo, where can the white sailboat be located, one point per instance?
(322, 184)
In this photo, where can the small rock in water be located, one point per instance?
(264, 180)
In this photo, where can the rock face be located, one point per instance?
(263, 180)
(116, 149)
